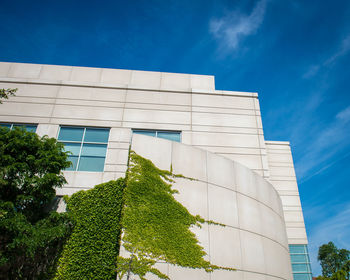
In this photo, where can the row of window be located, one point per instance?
(300, 262)
(88, 145)
(29, 127)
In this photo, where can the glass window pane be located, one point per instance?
(5, 125)
(145, 132)
(302, 276)
(173, 136)
(96, 135)
(31, 128)
(74, 148)
(300, 267)
(297, 249)
(299, 258)
(96, 150)
(91, 163)
(19, 125)
(74, 160)
(28, 127)
(71, 134)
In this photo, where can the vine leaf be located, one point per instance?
(156, 227)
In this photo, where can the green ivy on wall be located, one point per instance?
(92, 250)
(156, 227)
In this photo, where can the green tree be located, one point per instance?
(335, 262)
(6, 93)
(31, 237)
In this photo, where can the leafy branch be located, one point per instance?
(6, 93)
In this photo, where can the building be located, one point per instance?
(216, 136)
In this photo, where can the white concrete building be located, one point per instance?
(216, 136)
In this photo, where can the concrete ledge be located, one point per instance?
(112, 78)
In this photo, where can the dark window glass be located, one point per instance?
(95, 150)
(99, 135)
(91, 163)
(300, 262)
(169, 135)
(28, 127)
(297, 249)
(74, 161)
(145, 132)
(173, 136)
(86, 153)
(71, 134)
(299, 258)
(302, 276)
(74, 148)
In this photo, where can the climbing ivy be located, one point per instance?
(156, 227)
(92, 250)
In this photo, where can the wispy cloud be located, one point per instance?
(312, 71)
(233, 27)
(342, 50)
(326, 143)
(344, 115)
(335, 228)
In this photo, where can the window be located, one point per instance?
(88, 147)
(28, 127)
(300, 262)
(169, 135)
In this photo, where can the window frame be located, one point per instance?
(300, 250)
(82, 142)
(156, 131)
(12, 125)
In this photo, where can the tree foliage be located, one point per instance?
(31, 237)
(30, 170)
(335, 262)
(6, 93)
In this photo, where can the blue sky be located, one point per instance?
(295, 54)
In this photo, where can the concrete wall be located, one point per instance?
(254, 240)
(282, 177)
(226, 123)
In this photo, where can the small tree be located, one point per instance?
(335, 262)
(30, 235)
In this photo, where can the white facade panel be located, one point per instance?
(254, 235)
(231, 165)
(62, 73)
(115, 76)
(158, 97)
(172, 81)
(282, 176)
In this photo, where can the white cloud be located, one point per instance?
(335, 228)
(342, 50)
(311, 72)
(325, 144)
(230, 29)
(344, 115)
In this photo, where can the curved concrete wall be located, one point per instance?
(254, 240)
